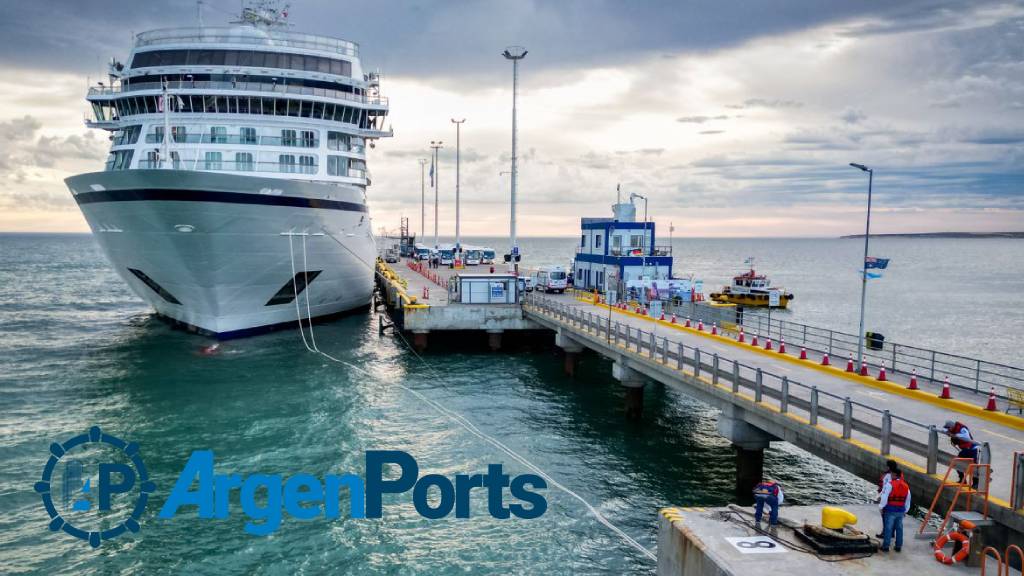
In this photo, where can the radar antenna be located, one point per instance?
(266, 13)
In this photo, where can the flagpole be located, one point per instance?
(863, 265)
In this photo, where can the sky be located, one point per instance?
(734, 119)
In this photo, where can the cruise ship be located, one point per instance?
(235, 188)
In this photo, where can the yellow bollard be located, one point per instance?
(835, 518)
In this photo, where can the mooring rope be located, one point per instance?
(451, 414)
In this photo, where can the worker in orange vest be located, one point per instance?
(960, 436)
(767, 492)
(894, 502)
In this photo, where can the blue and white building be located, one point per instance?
(619, 253)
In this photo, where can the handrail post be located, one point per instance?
(933, 450)
(735, 376)
(758, 382)
(977, 375)
(681, 357)
(847, 418)
(984, 457)
(696, 362)
(886, 433)
(932, 377)
(812, 418)
(784, 402)
(714, 369)
(830, 343)
(664, 350)
(1017, 489)
(654, 345)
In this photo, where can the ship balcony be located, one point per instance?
(202, 165)
(102, 92)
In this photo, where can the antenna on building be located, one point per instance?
(199, 12)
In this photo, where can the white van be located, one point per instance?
(551, 279)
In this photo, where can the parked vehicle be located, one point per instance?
(447, 254)
(526, 283)
(422, 252)
(487, 255)
(551, 279)
(473, 256)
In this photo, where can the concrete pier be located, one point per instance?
(634, 383)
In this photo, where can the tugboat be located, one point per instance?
(753, 289)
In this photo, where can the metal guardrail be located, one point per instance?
(822, 408)
(174, 87)
(963, 371)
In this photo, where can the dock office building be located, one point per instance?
(619, 249)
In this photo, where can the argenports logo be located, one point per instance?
(95, 486)
(103, 487)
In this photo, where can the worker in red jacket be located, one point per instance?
(960, 436)
(768, 492)
(894, 502)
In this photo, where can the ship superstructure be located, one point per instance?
(237, 174)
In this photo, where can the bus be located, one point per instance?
(551, 279)
(446, 252)
(487, 255)
(422, 252)
(473, 256)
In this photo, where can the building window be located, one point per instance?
(597, 241)
(583, 240)
(635, 241)
(214, 161)
(308, 139)
(247, 135)
(337, 166)
(307, 164)
(243, 161)
(286, 163)
(288, 138)
(218, 135)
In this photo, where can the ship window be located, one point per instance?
(307, 164)
(259, 60)
(311, 63)
(307, 109)
(337, 166)
(203, 56)
(318, 110)
(337, 141)
(178, 133)
(243, 161)
(297, 61)
(222, 104)
(244, 57)
(152, 159)
(308, 139)
(247, 135)
(293, 107)
(213, 161)
(324, 65)
(243, 105)
(288, 138)
(286, 163)
(336, 67)
(293, 287)
(154, 286)
(218, 135)
(175, 160)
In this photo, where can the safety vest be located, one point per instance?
(960, 442)
(881, 479)
(897, 495)
(767, 489)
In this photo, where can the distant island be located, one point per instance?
(944, 235)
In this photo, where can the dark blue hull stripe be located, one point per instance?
(177, 195)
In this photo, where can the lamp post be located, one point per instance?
(863, 270)
(436, 146)
(458, 146)
(515, 54)
(423, 197)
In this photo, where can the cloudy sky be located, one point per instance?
(734, 118)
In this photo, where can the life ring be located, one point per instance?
(959, 556)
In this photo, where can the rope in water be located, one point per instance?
(455, 416)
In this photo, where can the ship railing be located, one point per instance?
(891, 433)
(247, 36)
(965, 372)
(203, 165)
(276, 88)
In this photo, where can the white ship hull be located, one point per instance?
(211, 251)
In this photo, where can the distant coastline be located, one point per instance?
(944, 235)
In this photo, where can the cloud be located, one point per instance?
(766, 103)
(852, 116)
(700, 119)
(711, 132)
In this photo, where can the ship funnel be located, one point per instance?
(624, 212)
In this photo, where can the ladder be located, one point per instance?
(964, 487)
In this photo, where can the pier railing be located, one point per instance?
(849, 419)
(964, 372)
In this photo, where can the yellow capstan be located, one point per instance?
(835, 518)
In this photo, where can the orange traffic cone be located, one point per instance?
(803, 353)
(913, 380)
(863, 368)
(662, 317)
(881, 373)
(768, 344)
(991, 406)
(782, 345)
(714, 329)
(687, 322)
(849, 364)
(673, 317)
(741, 338)
(824, 360)
(945, 390)
(753, 341)
(426, 293)
(700, 325)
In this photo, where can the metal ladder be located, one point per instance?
(964, 487)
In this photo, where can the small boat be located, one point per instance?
(753, 289)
